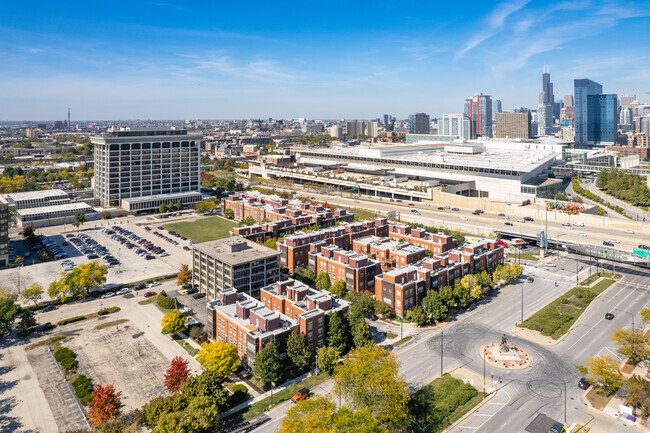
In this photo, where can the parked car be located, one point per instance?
(48, 308)
(122, 292)
(198, 295)
(521, 220)
(149, 294)
(583, 383)
(300, 395)
(108, 295)
(550, 265)
(557, 428)
(531, 279)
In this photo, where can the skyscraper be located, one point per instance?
(602, 119)
(480, 113)
(582, 88)
(419, 123)
(544, 119)
(546, 96)
(568, 101)
(496, 108)
(512, 125)
(626, 100)
(387, 118)
(455, 124)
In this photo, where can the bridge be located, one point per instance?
(597, 251)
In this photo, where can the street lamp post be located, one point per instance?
(522, 303)
(484, 356)
(442, 338)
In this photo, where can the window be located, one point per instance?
(398, 303)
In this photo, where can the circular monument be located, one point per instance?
(505, 356)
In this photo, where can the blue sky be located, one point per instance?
(337, 59)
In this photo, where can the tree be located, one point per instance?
(248, 221)
(207, 384)
(338, 289)
(319, 414)
(484, 279)
(461, 294)
(327, 358)
(307, 276)
(88, 276)
(361, 335)
(79, 219)
(382, 309)
(298, 350)
(162, 208)
(27, 320)
(417, 315)
(603, 370)
(447, 296)
(106, 215)
(207, 206)
(645, 315)
(219, 357)
(323, 281)
(28, 232)
(336, 335)
(635, 346)
(104, 405)
(434, 306)
(173, 322)
(33, 293)
(176, 374)
(267, 366)
(179, 205)
(8, 310)
(271, 243)
(184, 276)
(370, 380)
(229, 213)
(201, 414)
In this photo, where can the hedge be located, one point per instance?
(108, 310)
(66, 358)
(83, 389)
(71, 320)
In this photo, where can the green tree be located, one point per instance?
(327, 358)
(271, 243)
(173, 322)
(267, 366)
(298, 350)
(417, 315)
(382, 309)
(319, 414)
(603, 370)
(179, 206)
(208, 383)
(79, 219)
(201, 414)
(27, 320)
(323, 281)
(461, 294)
(645, 315)
(219, 357)
(370, 380)
(361, 335)
(337, 336)
(434, 306)
(229, 213)
(338, 289)
(248, 221)
(447, 296)
(162, 208)
(635, 346)
(33, 293)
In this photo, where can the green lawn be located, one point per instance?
(524, 256)
(441, 403)
(572, 304)
(594, 277)
(278, 397)
(206, 229)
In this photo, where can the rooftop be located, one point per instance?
(78, 206)
(236, 250)
(36, 195)
(161, 196)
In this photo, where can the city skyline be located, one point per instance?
(172, 61)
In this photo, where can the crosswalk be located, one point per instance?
(483, 414)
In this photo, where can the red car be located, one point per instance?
(411, 204)
(149, 294)
(300, 395)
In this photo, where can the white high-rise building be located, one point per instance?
(455, 124)
(140, 169)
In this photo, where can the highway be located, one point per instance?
(490, 221)
(522, 394)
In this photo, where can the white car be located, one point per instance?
(521, 221)
(550, 265)
(505, 217)
(108, 295)
(122, 292)
(463, 218)
(568, 227)
(581, 234)
(154, 284)
(629, 232)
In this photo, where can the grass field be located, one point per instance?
(441, 403)
(548, 321)
(206, 229)
(524, 256)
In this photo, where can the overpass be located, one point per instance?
(597, 251)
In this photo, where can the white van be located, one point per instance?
(579, 224)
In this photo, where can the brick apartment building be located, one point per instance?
(305, 305)
(294, 249)
(356, 270)
(435, 242)
(390, 254)
(241, 320)
(262, 207)
(404, 287)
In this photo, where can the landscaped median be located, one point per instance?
(557, 317)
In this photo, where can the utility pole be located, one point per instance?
(546, 233)
(484, 356)
(522, 303)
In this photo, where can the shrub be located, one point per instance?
(71, 320)
(108, 310)
(66, 358)
(83, 389)
(47, 327)
(164, 302)
(24, 333)
(239, 394)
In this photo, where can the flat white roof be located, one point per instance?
(35, 195)
(79, 206)
(162, 196)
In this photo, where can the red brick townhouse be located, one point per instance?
(356, 270)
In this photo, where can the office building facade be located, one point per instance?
(455, 124)
(602, 119)
(544, 119)
(419, 123)
(512, 125)
(583, 88)
(4, 233)
(134, 162)
(479, 109)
